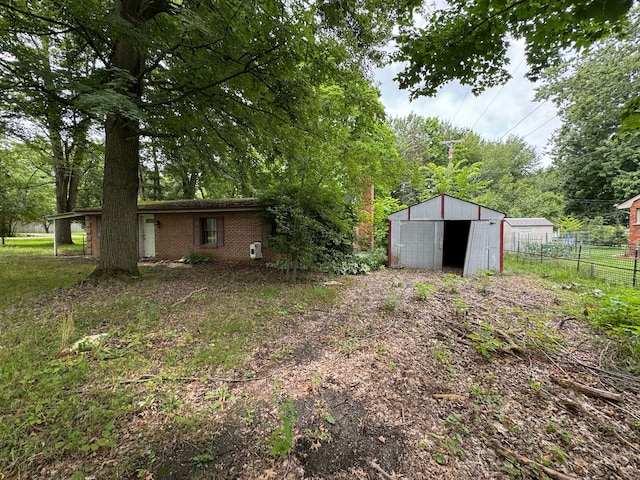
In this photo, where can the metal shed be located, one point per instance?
(445, 231)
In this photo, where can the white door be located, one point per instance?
(147, 229)
(483, 248)
(419, 244)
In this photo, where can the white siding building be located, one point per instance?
(446, 232)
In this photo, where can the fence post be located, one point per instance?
(541, 251)
(579, 254)
(635, 265)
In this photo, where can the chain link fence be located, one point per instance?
(574, 250)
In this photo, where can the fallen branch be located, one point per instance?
(184, 299)
(579, 407)
(381, 471)
(556, 475)
(587, 390)
(449, 396)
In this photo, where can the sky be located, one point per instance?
(497, 113)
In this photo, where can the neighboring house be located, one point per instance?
(519, 231)
(224, 229)
(633, 205)
(446, 232)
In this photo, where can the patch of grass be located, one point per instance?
(78, 407)
(24, 277)
(41, 246)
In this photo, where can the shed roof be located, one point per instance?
(627, 203)
(446, 207)
(529, 222)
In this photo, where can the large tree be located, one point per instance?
(35, 71)
(240, 66)
(598, 167)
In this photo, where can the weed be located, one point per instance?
(220, 397)
(202, 460)
(450, 283)
(67, 327)
(557, 454)
(250, 416)
(281, 440)
(486, 397)
(327, 417)
(392, 301)
(554, 429)
(396, 282)
(460, 306)
(443, 355)
(316, 381)
(319, 435)
(281, 355)
(424, 290)
(486, 344)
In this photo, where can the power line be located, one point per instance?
(496, 95)
(523, 119)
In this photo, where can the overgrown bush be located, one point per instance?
(196, 258)
(355, 263)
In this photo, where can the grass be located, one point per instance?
(41, 246)
(607, 263)
(607, 305)
(76, 407)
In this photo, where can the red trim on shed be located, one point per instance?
(502, 245)
(479, 212)
(408, 213)
(442, 206)
(389, 245)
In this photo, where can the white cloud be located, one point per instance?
(494, 114)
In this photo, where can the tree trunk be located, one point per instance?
(119, 239)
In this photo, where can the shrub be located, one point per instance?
(196, 258)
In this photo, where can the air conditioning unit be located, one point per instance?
(255, 250)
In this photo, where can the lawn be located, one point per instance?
(228, 371)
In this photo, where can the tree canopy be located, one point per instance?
(468, 40)
(598, 165)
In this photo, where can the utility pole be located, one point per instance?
(450, 144)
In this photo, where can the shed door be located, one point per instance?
(419, 244)
(483, 250)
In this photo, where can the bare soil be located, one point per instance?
(468, 382)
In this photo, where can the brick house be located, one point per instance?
(633, 205)
(223, 229)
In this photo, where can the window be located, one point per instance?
(208, 231)
(637, 215)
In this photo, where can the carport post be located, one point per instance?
(55, 239)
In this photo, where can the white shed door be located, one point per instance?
(419, 244)
(483, 248)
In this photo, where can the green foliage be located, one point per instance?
(424, 290)
(486, 342)
(596, 166)
(309, 230)
(196, 258)
(355, 263)
(281, 440)
(458, 179)
(468, 40)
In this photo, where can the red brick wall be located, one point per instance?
(634, 227)
(174, 236)
(93, 235)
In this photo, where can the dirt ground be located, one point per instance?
(414, 375)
